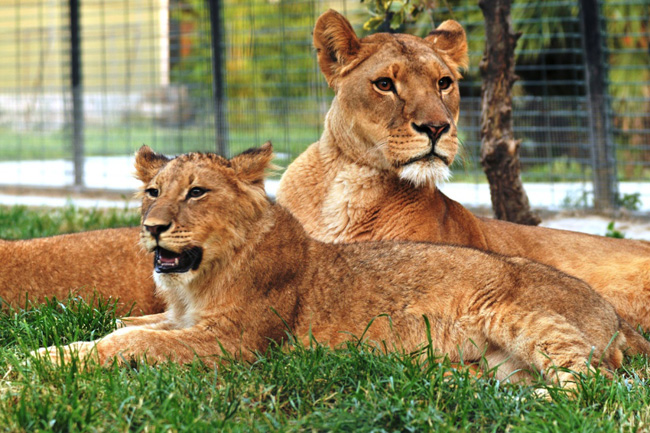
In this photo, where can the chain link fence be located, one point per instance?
(77, 99)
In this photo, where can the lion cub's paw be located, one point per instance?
(82, 350)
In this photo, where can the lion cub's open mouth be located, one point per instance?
(166, 262)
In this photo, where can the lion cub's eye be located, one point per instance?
(152, 192)
(384, 84)
(444, 83)
(196, 192)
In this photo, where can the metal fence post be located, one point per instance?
(603, 154)
(218, 79)
(77, 94)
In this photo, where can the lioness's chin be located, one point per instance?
(425, 173)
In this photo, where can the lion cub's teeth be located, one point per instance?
(176, 261)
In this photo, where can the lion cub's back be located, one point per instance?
(443, 277)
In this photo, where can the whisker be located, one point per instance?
(379, 144)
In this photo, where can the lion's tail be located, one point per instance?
(636, 343)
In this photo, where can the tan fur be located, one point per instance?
(347, 188)
(350, 187)
(260, 268)
(108, 262)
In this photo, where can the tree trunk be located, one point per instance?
(499, 149)
(603, 154)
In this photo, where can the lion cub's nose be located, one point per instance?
(157, 229)
(432, 131)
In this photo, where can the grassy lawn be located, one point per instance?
(288, 141)
(21, 222)
(118, 141)
(306, 389)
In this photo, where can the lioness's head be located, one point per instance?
(397, 99)
(196, 207)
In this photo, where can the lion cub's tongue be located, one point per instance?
(167, 259)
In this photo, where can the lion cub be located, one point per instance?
(236, 270)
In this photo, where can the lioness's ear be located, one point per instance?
(336, 44)
(450, 42)
(251, 164)
(148, 163)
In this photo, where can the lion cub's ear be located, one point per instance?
(148, 163)
(336, 44)
(250, 165)
(449, 41)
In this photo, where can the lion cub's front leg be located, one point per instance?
(85, 350)
(151, 344)
(150, 320)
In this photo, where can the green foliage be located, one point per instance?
(559, 169)
(628, 24)
(417, 17)
(582, 200)
(21, 222)
(269, 52)
(391, 15)
(612, 232)
(629, 201)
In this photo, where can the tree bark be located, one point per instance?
(603, 155)
(499, 148)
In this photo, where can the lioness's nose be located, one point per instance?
(433, 131)
(156, 230)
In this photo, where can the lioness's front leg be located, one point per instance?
(154, 345)
(553, 346)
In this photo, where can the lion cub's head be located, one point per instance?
(397, 99)
(197, 207)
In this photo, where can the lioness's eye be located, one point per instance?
(444, 83)
(196, 192)
(384, 84)
(152, 192)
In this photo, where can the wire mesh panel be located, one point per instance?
(628, 59)
(552, 103)
(549, 99)
(148, 77)
(137, 60)
(33, 89)
(274, 88)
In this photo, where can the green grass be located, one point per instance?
(316, 389)
(124, 141)
(306, 389)
(289, 141)
(21, 222)
(119, 141)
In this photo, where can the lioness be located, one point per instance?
(390, 134)
(237, 271)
